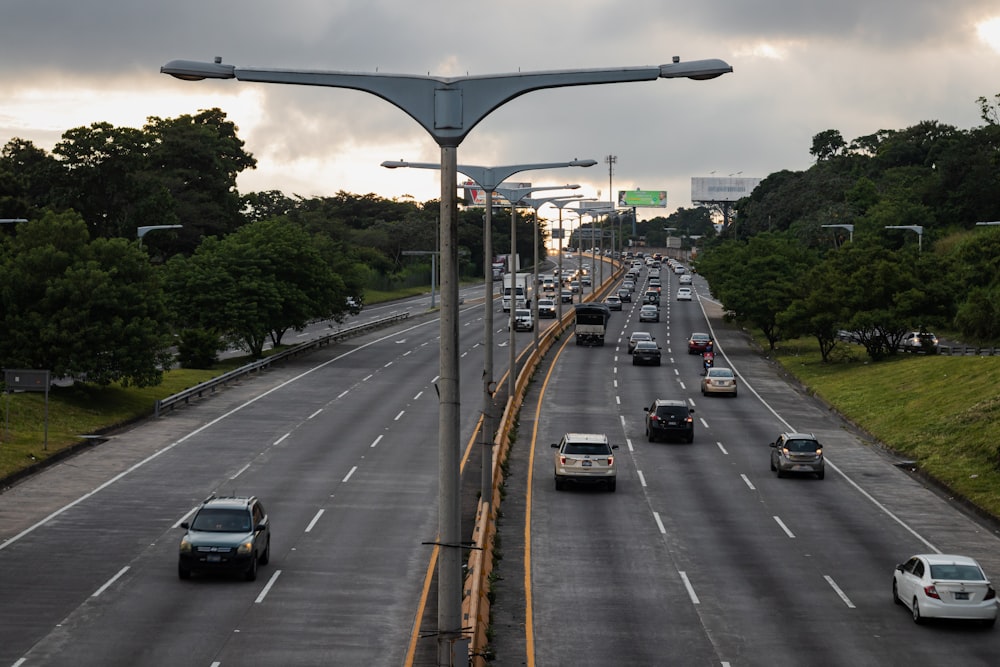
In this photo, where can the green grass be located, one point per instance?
(941, 412)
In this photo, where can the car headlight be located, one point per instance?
(185, 546)
(245, 547)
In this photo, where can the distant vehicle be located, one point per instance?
(919, 341)
(646, 352)
(546, 308)
(614, 302)
(566, 296)
(591, 323)
(684, 279)
(629, 285)
(227, 534)
(651, 296)
(649, 313)
(683, 293)
(636, 337)
(548, 285)
(516, 285)
(625, 294)
(719, 380)
(679, 269)
(523, 321)
(574, 286)
(699, 343)
(945, 586)
(797, 452)
(668, 418)
(585, 458)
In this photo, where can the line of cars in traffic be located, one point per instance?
(929, 585)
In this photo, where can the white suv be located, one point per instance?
(585, 458)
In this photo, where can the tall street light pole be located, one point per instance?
(537, 203)
(560, 205)
(448, 108)
(514, 196)
(489, 178)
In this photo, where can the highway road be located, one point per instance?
(702, 556)
(341, 447)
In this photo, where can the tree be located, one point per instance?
(827, 144)
(81, 308)
(257, 283)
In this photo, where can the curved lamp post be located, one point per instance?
(489, 179)
(448, 108)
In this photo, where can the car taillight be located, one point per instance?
(562, 460)
(611, 460)
(931, 592)
(654, 418)
(990, 593)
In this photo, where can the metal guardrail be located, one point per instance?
(209, 386)
(968, 351)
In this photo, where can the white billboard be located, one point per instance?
(711, 189)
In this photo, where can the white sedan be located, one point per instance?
(683, 293)
(944, 586)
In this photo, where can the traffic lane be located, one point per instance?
(124, 627)
(87, 587)
(737, 425)
(599, 586)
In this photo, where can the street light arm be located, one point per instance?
(447, 107)
(488, 178)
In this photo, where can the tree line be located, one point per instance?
(877, 238)
(82, 296)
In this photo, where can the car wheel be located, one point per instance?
(917, 618)
(650, 437)
(771, 461)
(781, 473)
(690, 438)
(265, 557)
(611, 486)
(251, 573)
(559, 484)
(989, 623)
(895, 593)
(183, 572)
(821, 474)
(634, 363)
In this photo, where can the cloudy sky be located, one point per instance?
(801, 67)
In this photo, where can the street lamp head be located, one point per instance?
(698, 70)
(395, 164)
(193, 70)
(582, 163)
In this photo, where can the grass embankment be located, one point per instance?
(941, 412)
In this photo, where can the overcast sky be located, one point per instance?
(800, 67)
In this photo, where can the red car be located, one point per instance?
(699, 343)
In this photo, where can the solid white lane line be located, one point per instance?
(314, 520)
(110, 581)
(842, 594)
(240, 471)
(267, 587)
(690, 588)
(784, 527)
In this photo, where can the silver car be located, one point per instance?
(797, 452)
(585, 458)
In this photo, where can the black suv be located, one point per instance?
(229, 534)
(667, 418)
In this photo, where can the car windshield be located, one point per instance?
(639, 335)
(802, 445)
(222, 520)
(956, 572)
(584, 449)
